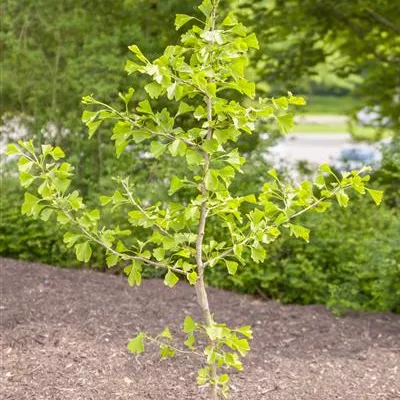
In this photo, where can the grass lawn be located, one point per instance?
(329, 105)
(360, 132)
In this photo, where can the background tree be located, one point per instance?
(360, 37)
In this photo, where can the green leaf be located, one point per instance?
(71, 238)
(223, 379)
(24, 165)
(203, 375)
(248, 88)
(93, 127)
(258, 253)
(241, 345)
(166, 351)
(184, 108)
(30, 205)
(238, 66)
(206, 7)
(127, 97)
(272, 172)
(211, 181)
(189, 342)
(230, 20)
(135, 50)
(177, 147)
(281, 103)
(88, 116)
(376, 195)
(166, 333)
(300, 232)
(26, 179)
(62, 218)
(112, 260)
(320, 181)
(157, 148)
(297, 101)
(192, 277)
(326, 168)
(83, 251)
(245, 331)
(231, 266)
(342, 198)
(189, 326)
(176, 184)
(252, 41)
(186, 253)
(154, 90)
(121, 248)
(12, 149)
(140, 135)
(181, 19)
(223, 135)
(48, 149)
(170, 279)
(193, 157)
(57, 153)
(131, 67)
(27, 145)
(61, 184)
(210, 146)
(172, 90)
(200, 113)
(239, 29)
(159, 253)
(136, 345)
(285, 123)
(104, 200)
(145, 107)
(134, 273)
(211, 89)
(215, 332)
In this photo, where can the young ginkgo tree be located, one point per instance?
(198, 76)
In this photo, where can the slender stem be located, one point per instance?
(142, 210)
(124, 256)
(201, 292)
(159, 342)
(134, 123)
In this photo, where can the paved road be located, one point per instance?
(313, 147)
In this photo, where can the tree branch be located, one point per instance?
(383, 20)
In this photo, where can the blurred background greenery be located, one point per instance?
(343, 56)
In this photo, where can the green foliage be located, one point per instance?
(357, 40)
(33, 239)
(44, 75)
(197, 76)
(339, 267)
(388, 175)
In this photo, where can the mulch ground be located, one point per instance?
(64, 334)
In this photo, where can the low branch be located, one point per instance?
(245, 241)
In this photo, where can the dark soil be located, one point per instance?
(64, 334)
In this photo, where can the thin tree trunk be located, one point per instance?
(201, 292)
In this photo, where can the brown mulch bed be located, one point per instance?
(64, 334)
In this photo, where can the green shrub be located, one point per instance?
(32, 239)
(351, 263)
(388, 175)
